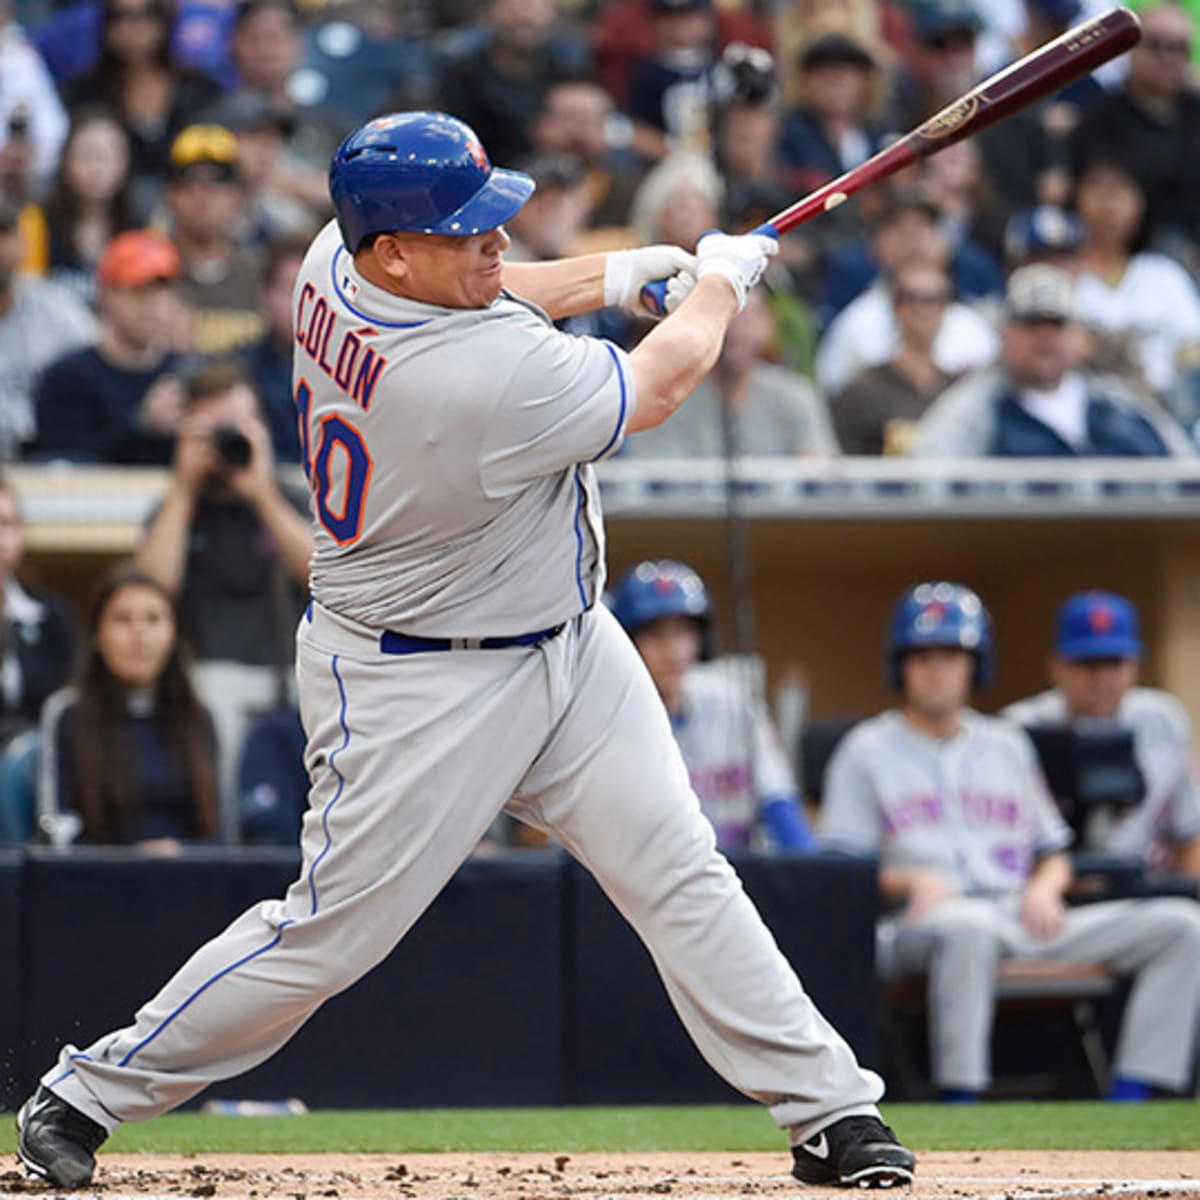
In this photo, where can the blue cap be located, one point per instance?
(935, 17)
(1046, 229)
(1057, 12)
(1097, 625)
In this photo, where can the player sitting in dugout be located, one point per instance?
(1093, 669)
(972, 866)
(729, 745)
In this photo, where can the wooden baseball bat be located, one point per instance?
(1040, 73)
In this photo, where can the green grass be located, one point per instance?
(1164, 1125)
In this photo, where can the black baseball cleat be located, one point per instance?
(854, 1152)
(57, 1142)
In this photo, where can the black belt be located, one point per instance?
(403, 643)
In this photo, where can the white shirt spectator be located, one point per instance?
(1156, 300)
(864, 335)
(27, 88)
(44, 322)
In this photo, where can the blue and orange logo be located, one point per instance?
(478, 154)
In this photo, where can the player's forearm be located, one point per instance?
(1052, 873)
(673, 358)
(563, 288)
(163, 552)
(896, 884)
(1187, 858)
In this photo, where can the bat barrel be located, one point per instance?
(1041, 73)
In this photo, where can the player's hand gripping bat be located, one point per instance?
(1040, 73)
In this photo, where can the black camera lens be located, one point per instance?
(232, 445)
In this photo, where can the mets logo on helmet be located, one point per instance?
(478, 154)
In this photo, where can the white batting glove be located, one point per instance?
(741, 260)
(626, 272)
(679, 288)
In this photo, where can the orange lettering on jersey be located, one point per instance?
(312, 343)
(368, 377)
(322, 362)
(307, 292)
(343, 373)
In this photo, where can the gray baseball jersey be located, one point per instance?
(448, 495)
(973, 807)
(444, 449)
(1162, 744)
(733, 755)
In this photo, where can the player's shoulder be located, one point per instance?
(999, 731)
(880, 734)
(321, 249)
(1153, 709)
(1044, 708)
(715, 685)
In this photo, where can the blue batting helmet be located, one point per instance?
(662, 588)
(941, 614)
(424, 172)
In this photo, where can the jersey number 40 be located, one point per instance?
(339, 471)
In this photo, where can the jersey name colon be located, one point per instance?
(973, 807)
(449, 452)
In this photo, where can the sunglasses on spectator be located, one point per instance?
(1158, 45)
(954, 39)
(143, 12)
(910, 296)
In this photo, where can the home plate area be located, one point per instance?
(989, 1175)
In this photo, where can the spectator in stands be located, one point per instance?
(232, 542)
(29, 104)
(942, 61)
(495, 87)
(747, 405)
(877, 410)
(39, 323)
(671, 89)
(864, 334)
(37, 631)
(678, 201)
(1026, 156)
(276, 206)
(139, 81)
(1144, 301)
(268, 362)
(971, 217)
(90, 200)
(834, 96)
(576, 116)
(120, 401)
(1045, 234)
(971, 861)
(266, 45)
(1093, 669)
(1037, 401)
(272, 781)
(228, 539)
(1152, 127)
(222, 282)
(908, 224)
(127, 752)
(730, 749)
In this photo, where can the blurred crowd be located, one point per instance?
(163, 164)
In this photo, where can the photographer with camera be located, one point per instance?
(232, 542)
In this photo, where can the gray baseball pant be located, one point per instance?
(960, 944)
(411, 758)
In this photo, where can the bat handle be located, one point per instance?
(654, 294)
(654, 297)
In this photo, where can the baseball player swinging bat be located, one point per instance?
(1040, 73)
